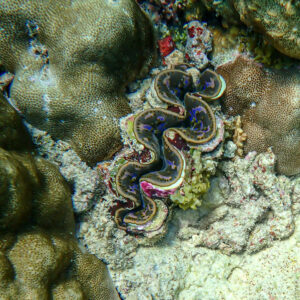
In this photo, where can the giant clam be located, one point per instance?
(168, 133)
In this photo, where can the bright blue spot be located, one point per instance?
(148, 127)
(170, 163)
(160, 118)
(133, 187)
(161, 127)
(186, 83)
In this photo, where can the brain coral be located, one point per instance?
(39, 255)
(269, 103)
(277, 20)
(71, 63)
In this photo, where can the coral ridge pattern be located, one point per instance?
(268, 102)
(39, 255)
(71, 61)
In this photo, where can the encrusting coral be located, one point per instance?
(187, 122)
(39, 255)
(268, 102)
(71, 64)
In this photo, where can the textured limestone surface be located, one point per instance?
(254, 207)
(39, 255)
(277, 20)
(178, 270)
(71, 63)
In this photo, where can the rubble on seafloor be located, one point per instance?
(247, 209)
(255, 207)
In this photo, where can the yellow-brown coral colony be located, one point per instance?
(268, 102)
(71, 64)
(277, 20)
(39, 255)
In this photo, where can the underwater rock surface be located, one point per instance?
(241, 238)
(277, 20)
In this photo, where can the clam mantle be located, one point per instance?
(168, 133)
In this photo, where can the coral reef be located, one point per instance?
(239, 39)
(39, 255)
(223, 8)
(277, 20)
(13, 135)
(197, 182)
(268, 101)
(239, 136)
(177, 268)
(172, 12)
(166, 46)
(71, 64)
(187, 122)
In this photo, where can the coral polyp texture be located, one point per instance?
(268, 101)
(39, 255)
(168, 134)
(277, 20)
(71, 64)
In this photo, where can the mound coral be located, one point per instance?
(277, 20)
(186, 122)
(71, 64)
(39, 255)
(268, 101)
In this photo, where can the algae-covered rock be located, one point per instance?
(71, 62)
(39, 255)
